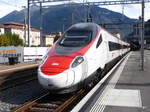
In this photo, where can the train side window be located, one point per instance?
(99, 41)
(110, 46)
(114, 46)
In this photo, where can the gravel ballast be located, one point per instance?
(16, 96)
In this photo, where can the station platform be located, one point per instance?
(12, 68)
(127, 89)
(6, 67)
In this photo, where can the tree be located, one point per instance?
(9, 39)
(4, 40)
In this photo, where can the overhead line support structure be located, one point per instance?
(117, 2)
(41, 26)
(28, 13)
(28, 22)
(45, 1)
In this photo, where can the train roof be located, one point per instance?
(92, 27)
(84, 26)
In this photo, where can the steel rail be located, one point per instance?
(54, 106)
(69, 101)
(27, 105)
(52, 103)
(17, 84)
(16, 77)
(84, 100)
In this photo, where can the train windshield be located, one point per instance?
(76, 38)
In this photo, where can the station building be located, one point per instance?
(51, 38)
(19, 29)
(1, 29)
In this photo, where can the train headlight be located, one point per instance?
(77, 61)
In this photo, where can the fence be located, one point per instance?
(34, 53)
(23, 54)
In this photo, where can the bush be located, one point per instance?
(9, 39)
(49, 45)
(4, 41)
(33, 46)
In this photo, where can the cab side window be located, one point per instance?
(99, 41)
(114, 46)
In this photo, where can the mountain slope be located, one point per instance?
(57, 17)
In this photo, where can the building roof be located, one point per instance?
(16, 25)
(1, 26)
(49, 36)
(13, 23)
(34, 29)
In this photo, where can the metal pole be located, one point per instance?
(85, 9)
(41, 24)
(28, 23)
(25, 31)
(25, 20)
(142, 36)
(88, 12)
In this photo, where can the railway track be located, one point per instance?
(16, 82)
(56, 103)
(13, 79)
(51, 103)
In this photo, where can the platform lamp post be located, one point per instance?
(142, 36)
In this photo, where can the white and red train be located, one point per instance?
(73, 60)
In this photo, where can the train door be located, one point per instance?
(102, 50)
(92, 60)
(106, 52)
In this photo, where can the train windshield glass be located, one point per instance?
(76, 38)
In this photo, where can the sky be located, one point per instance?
(132, 11)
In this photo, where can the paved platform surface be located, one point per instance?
(9, 67)
(127, 91)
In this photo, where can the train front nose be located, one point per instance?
(53, 74)
(52, 82)
(56, 82)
